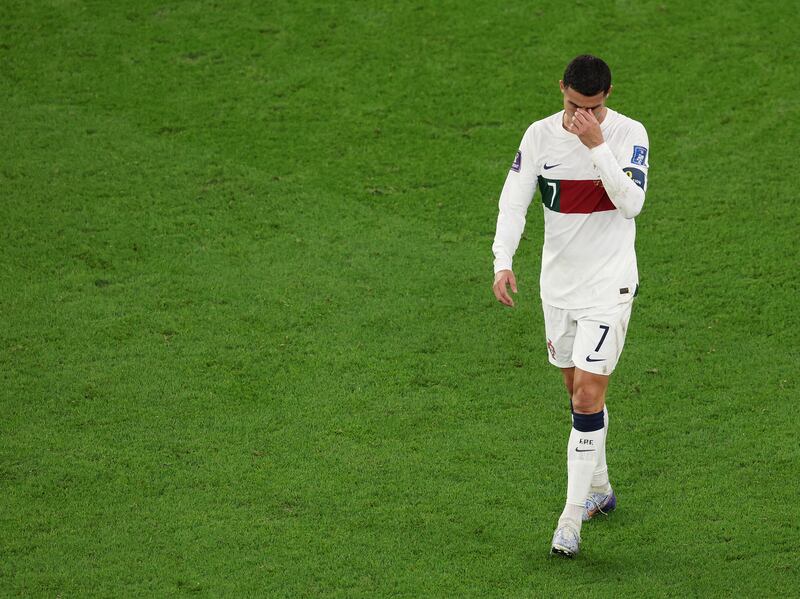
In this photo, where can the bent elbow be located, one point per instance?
(632, 211)
(632, 206)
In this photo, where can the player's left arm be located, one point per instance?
(626, 182)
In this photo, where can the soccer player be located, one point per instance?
(590, 164)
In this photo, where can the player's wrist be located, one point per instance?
(500, 274)
(600, 147)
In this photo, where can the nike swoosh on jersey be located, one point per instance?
(583, 450)
(548, 167)
(590, 359)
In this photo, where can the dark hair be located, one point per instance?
(588, 75)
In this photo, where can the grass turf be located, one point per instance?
(248, 342)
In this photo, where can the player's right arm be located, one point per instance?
(625, 180)
(515, 198)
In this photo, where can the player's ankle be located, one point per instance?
(572, 514)
(603, 489)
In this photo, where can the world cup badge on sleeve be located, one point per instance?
(639, 155)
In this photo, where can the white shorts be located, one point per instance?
(590, 338)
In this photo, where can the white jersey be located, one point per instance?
(589, 198)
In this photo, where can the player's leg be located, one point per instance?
(601, 498)
(589, 395)
(597, 345)
(600, 479)
(569, 376)
(560, 329)
(588, 392)
(601, 339)
(585, 441)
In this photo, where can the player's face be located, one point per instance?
(574, 100)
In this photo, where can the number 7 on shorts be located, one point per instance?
(605, 328)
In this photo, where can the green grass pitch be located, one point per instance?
(249, 345)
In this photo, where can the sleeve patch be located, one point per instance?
(517, 162)
(639, 155)
(635, 174)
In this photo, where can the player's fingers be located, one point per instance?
(501, 293)
(589, 119)
(513, 281)
(508, 301)
(496, 289)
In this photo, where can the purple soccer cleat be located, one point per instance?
(599, 503)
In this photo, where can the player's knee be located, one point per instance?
(587, 399)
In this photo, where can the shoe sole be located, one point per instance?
(561, 552)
